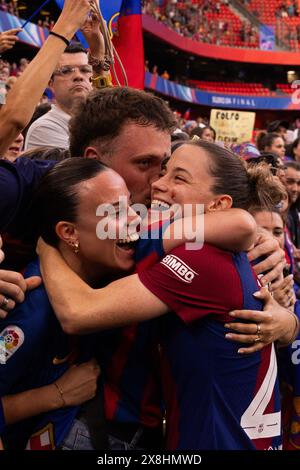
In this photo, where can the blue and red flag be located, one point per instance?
(124, 19)
(128, 41)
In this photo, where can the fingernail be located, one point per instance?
(256, 294)
(241, 351)
(228, 335)
(232, 314)
(226, 325)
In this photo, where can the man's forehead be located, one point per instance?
(292, 173)
(78, 58)
(143, 140)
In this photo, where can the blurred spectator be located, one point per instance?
(10, 82)
(296, 128)
(205, 133)
(295, 150)
(189, 126)
(9, 7)
(15, 149)
(155, 70)
(23, 64)
(279, 127)
(272, 143)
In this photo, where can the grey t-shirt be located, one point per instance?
(50, 130)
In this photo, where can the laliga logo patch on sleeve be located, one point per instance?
(12, 339)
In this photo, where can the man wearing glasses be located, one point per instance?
(70, 83)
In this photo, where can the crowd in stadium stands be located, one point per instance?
(216, 23)
(205, 21)
(283, 15)
(9, 7)
(46, 23)
(13, 8)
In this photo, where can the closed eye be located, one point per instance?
(180, 178)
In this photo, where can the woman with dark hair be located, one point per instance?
(215, 399)
(76, 383)
(65, 211)
(271, 143)
(206, 133)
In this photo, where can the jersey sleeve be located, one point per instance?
(24, 332)
(195, 284)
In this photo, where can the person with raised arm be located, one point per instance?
(28, 89)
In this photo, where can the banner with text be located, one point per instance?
(232, 126)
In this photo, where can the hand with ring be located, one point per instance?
(258, 333)
(4, 302)
(274, 323)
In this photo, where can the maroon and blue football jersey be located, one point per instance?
(215, 397)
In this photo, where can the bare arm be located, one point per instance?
(81, 309)
(78, 384)
(28, 89)
(94, 37)
(233, 230)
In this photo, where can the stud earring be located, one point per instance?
(75, 246)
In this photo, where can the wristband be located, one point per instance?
(60, 37)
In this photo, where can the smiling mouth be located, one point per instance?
(128, 243)
(159, 205)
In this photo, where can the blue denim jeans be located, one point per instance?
(78, 438)
(118, 444)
